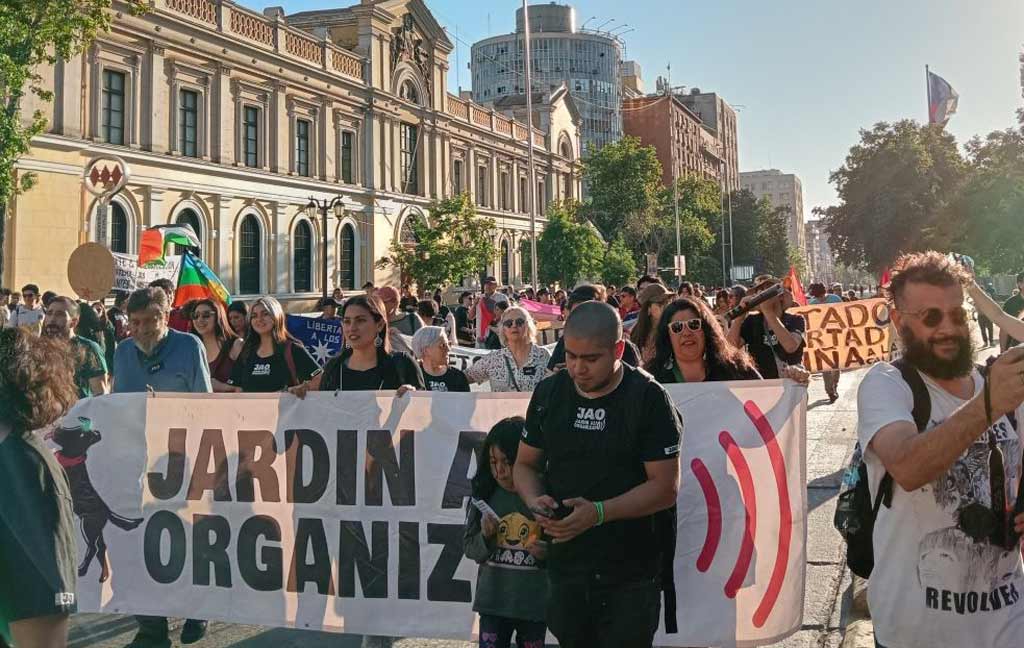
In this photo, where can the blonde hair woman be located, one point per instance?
(520, 364)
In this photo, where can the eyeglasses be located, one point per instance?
(202, 315)
(509, 323)
(694, 324)
(932, 317)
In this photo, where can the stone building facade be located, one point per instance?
(781, 190)
(231, 120)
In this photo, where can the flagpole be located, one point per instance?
(928, 89)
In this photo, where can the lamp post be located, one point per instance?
(338, 206)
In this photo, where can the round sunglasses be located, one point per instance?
(932, 317)
(509, 323)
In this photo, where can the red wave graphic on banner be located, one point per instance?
(771, 594)
(739, 464)
(714, 534)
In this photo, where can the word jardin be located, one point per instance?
(258, 550)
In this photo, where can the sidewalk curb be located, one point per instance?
(859, 632)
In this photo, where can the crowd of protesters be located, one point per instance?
(595, 504)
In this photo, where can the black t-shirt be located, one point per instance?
(463, 328)
(594, 451)
(630, 354)
(453, 380)
(369, 380)
(264, 375)
(764, 346)
(1013, 306)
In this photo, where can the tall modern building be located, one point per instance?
(781, 190)
(588, 62)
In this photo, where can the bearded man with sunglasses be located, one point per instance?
(948, 566)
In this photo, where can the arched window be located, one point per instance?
(249, 261)
(118, 229)
(408, 92)
(191, 218)
(347, 258)
(302, 258)
(504, 279)
(407, 235)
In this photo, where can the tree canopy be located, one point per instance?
(570, 248)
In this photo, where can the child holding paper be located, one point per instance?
(501, 535)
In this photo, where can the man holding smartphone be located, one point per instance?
(609, 437)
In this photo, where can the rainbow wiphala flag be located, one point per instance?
(197, 281)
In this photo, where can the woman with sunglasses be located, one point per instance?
(690, 346)
(209, 322)
(520, 364)
(271, 360)
(366, 363)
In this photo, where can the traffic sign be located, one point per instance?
(680, 265)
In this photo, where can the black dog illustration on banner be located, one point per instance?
(87, 504)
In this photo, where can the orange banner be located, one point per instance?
(846, 335)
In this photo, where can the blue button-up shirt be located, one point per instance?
(177, 364)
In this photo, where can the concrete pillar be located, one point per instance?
(223, 116)
(156, 117)
(68, 102)
(280, 130)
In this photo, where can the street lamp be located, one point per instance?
(337, 204)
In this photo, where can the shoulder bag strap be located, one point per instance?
(511, 372)
(922, 412)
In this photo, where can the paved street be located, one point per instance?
(830, 434)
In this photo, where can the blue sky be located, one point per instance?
(805, 74)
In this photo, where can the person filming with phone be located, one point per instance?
(606, 436)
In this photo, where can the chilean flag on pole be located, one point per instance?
(942, 99)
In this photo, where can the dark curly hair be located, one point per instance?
(931, 267)
(720, 357)
(37, 380)
(505, 436)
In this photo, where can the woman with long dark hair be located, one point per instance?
(271, 360)
(502, 537)
(37, 531)
(690, 346)
(366, 362)
(652, 299)
(209, 322)
(238, 318)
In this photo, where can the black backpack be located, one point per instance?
(665, 521)
(856, 512)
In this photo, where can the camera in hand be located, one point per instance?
(742, 309)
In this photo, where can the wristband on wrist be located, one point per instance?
(600, 513)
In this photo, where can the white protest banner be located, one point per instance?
(345, 512)
(128, 276)
(845, 335)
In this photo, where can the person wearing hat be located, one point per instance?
(773, 337)
(485, 314)
(501, 303)
(652, 300)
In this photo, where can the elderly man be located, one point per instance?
(161, 359)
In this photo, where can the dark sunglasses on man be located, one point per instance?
(677, 326)
(932, 317)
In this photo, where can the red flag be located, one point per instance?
(886, 278)
(792, 281)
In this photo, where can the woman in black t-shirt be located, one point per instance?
(431, 346)
(366, 363)
(271, 359)
(690, 346)
(37, 531)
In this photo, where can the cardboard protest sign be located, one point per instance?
(345, 512)
(91, 271)
(845, 335)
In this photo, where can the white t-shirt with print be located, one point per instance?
(932, 585)
(23, 317)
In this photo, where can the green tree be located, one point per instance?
(798, 260)
(34, 34)
(773, 247)
(618, 267)
(747, 215)
(894, 190)
(990, 209)
(623, 180)
(699, 205)
(571, 248)
(455, 244)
